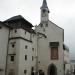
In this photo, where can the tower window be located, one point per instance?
(25, 71)
(25, 57)
(44, 10)
(12, 58)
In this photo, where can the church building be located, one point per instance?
(50, 49)
(24, 51)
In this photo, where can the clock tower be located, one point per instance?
(44, 12)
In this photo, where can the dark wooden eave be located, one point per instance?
(3, 24)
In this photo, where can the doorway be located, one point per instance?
(52, 70)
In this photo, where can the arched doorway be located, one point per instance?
(52, 70)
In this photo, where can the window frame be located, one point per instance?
(56, 55)
(32, 49)
(26, 46)
(32, 58)
(25, 57)
(12, 58)
(25, 71)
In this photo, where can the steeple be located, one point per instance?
(44, 11)
(44, 5)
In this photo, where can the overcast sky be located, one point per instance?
(62, 13)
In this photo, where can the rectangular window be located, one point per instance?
(25, 71)
(25, 57)
(32, 69)
(54, 53)
(32, 49)
(32, 58)
(12, 58)
(26, 46)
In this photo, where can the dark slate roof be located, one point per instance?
(18, 17)
(2, 24)
(44, 5)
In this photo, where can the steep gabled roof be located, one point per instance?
(44, 5)
(18, 17)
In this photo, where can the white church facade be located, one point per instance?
(24, 51)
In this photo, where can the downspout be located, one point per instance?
(7, 52)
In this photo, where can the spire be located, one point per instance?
(44, 11)
(44, 5)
